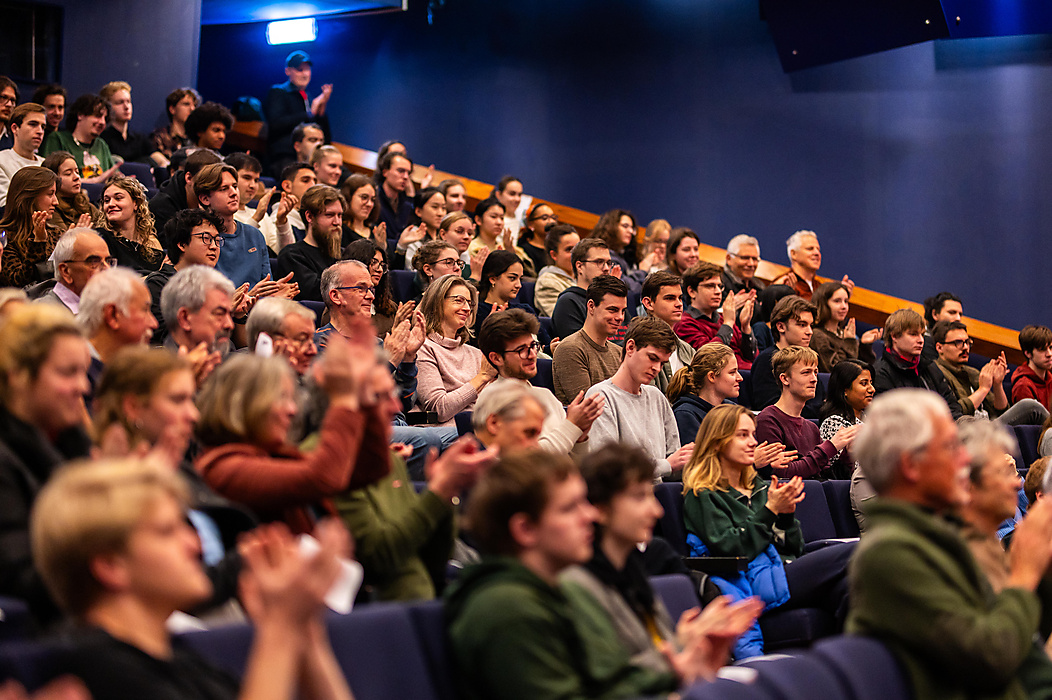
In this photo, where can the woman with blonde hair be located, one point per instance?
(711, 378)
(730, 511)
(31, 239)
(450, 373)
(129, 231)
(655, 245)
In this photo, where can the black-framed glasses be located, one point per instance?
(455, 262)
(960, 343)
(210, 240)
(523, 351)
(379, 264)
(94, 261)
(363, 289)
(603, 263)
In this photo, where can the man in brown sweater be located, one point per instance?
(587, 357)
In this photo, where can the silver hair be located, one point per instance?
(114, 286)
(64, 247)
(188, 289)
(504, 398)
(898, 423)
(982, 438)
(332, 277)
(797, 240)
(736, 243)
(269, 314)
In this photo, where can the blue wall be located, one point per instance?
(923, 168)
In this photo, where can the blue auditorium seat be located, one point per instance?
(546, 326)
(225, 647)
(1026, 436)
(544, 377)
(402, 284)
(267, 182)
(430, 625)
(745, 389)
(824, 378)
(838, 498)
(463, 422)
(526, 292)
(141, 172)
(868, 669)
(800, 678)
(813, 513)
(318, 307)
(677, 591)
(671, 526)
(15, 622)
(93, 190)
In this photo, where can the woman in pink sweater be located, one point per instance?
(450, 373)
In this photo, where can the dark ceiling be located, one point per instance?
(238, 11)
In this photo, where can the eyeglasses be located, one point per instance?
(363, 289)
(460, 301)
(453, 262)
(303, 341)
(523, 351)
(712, 286)
(7, 100)
(210, 240)
(94, 262)
(747, 258)
(380, 264)
(545, 217)
(603, 263)
(960, 343)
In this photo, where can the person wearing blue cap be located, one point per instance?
(287, 106)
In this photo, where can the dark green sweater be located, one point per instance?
(732, 524)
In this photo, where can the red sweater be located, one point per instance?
(700, 331)
(1027, 385)
(284, 484)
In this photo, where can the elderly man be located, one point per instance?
(290, 325)
(114, 313)
(805, 258)
(508, 416)
(197, 304)
(79, 255)
(914, 583)
(739, 270)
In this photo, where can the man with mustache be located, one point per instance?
(322, 209)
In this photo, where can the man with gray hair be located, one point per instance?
(79, 255)
(508, 416)
(290, 325)
(197, 304)
(915, 585)
(805, 258)
(114, 313)
(739, 270)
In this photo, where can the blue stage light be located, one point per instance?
(292, 31)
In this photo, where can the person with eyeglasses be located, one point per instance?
(590, 258)
(739, 269)
(322, 209)
(508, 341)
(434, 259)
(617, 228)
(703, 322)
(387, 313)
(540, 219)
(8, 100)
(79, 255)
(980, 393)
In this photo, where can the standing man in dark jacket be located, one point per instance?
(287, 106)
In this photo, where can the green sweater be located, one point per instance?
(402, 539)
(732, 524)
(916, 587)
(515, 637)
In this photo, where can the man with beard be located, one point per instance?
(322, 209)
(8, 100)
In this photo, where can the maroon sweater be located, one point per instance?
(1027, 385)
(800, 434)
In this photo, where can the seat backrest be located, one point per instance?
(33, 664)
(544, 377)
(15, 622)
(402, 284)
(671, 526)
(866, 667)
(318, 307)
(1026, 436)
(813, 513)
(727, 689)
(463, 422)
(801, 677)
(838, 498)
(677, 592)
(745, 389)
(430, 624)
(225, 647)
(140, 171)
(526, 291)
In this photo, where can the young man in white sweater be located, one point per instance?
(636, 412)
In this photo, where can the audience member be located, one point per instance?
(450, 372)
(433, 260)
(739, 269)
(915, 584)
(179, 104)
(588, 356)
(178, 193)
(284, 225)
(980, 393)
(703, 322)
(361, 218)
(501, 281)
(287, 105)
(247, 407)
(118, 554)
(11, 299)
(130, 231)
(196, 305)
(899, 365)
(617, 228)
(327, 162)
(322, 211)
(507, 340)
(834, 336)
(507, 418)
(429, 207)
(455, 193)
(27, 132)
(494, 235)
(682, 252)
(387, 313)
(729, 511)
(791, 325)
(796, 369)
(207, 126)
(305, 139)
(123, 142)
(590, 259)
(52, 98)
(79, 255)
(26, 220)
(944, 306)
(662, 297)
(8, 100)
(765, 303)
(44, 361)
(635, 412)
(508, 191)
(850, 393)
(1034, 483)
(1032, 380)
(84, 122)
(540, 219)
(805, 258)
(711, 379)
(249, 170)
(557, 275)
(72, 202)
(655, 246)
(457, 229)
(531, 517)
(290, 326)
(396, 205)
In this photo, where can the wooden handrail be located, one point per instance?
(866, 305)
